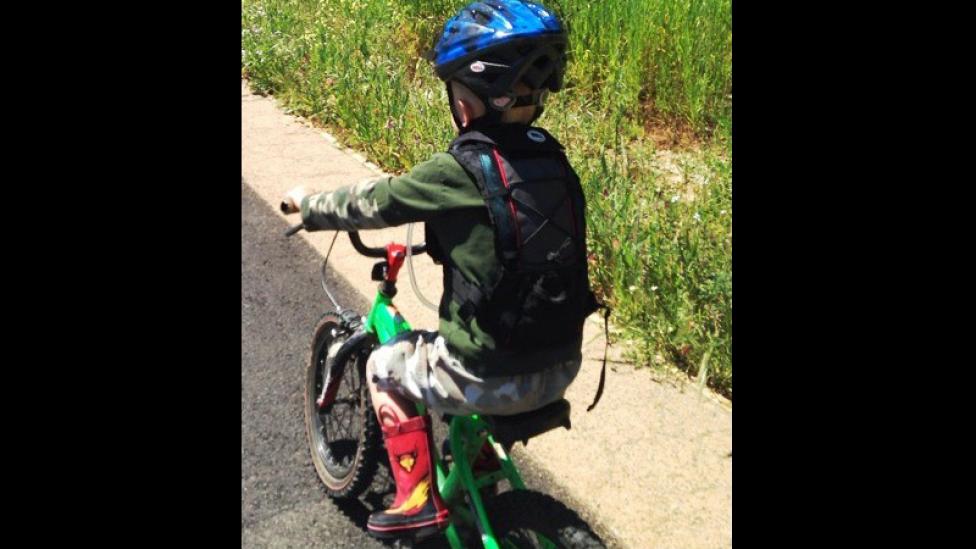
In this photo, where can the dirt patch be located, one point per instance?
(671, 134)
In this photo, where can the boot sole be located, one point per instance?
(415, 531)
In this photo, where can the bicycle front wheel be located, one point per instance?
(344, 437)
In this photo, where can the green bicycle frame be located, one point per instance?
(384, 320)
(467, 435)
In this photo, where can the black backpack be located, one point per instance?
(537, 209)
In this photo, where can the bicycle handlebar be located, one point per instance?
(363, 249)
(294, 229)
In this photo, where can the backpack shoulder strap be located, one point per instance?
(478, 154)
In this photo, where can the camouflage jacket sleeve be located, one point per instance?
(432, 187)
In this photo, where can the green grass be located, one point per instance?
(660, 221)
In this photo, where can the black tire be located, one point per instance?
(516, 513)
(344, 439)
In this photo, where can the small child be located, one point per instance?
(505, 215)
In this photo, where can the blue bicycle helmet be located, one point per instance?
(492, 45)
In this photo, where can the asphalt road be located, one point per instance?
(282, 504)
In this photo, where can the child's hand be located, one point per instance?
(292, 201)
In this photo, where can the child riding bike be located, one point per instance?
(505, 215)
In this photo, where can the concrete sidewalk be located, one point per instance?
(652, 462)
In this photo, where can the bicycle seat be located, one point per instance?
(521, 427)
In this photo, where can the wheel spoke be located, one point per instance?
(328, 429)
(345, 376)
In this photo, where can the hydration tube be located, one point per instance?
(413, 278)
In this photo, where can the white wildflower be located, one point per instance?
(696, 217)
(675, 198)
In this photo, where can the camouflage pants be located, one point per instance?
(419, 366)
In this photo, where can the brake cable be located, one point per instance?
(324, 264)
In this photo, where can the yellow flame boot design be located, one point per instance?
(417, 510)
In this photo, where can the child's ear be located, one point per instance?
(465, 112)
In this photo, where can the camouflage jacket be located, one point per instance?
(442, 194)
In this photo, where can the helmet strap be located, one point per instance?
(538, 113)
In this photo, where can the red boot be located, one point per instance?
(417, 510)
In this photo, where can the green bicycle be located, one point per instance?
(347, 447)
